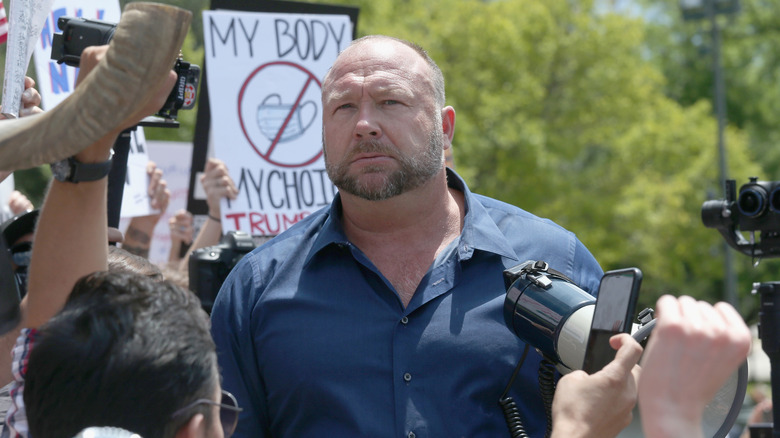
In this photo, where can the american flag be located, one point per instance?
(3, 24)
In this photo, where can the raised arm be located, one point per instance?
(71, 235)
(139, 233)
(217, 184)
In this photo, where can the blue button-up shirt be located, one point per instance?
(314, 341)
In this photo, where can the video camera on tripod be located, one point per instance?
(756, 209)
(80, 33)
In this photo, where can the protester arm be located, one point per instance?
(180, 226)
(140, 230)
(71, 234)
(217, 184)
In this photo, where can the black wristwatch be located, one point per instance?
(72, 170)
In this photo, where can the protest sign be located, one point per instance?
(56, 81)
(264, 85)
(173, 158)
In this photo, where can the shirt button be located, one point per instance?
(404, 320)
(407, 377)
(411, 435)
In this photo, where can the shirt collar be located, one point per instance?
(479, 230)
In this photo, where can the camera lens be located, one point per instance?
(774, 200)
(752, 201)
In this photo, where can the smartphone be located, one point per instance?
(614, 313)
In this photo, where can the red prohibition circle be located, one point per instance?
(267, 156)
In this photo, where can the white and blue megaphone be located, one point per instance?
(550, 313)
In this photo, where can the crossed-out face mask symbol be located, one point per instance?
(272, 114)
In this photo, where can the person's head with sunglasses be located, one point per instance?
(130, 352)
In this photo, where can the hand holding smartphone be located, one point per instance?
(615, 307)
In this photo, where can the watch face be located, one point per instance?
(60, 170)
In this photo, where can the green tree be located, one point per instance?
(750, 47)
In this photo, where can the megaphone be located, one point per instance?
(549, 312)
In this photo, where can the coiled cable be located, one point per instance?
(547, 385)
(511, 412)
(547, 388)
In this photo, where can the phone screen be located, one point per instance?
(613, 313)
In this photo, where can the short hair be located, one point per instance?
(125, 351)
(437, 77)
(122, 260)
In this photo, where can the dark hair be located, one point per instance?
(125, 351)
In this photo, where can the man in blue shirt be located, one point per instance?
(382, 314)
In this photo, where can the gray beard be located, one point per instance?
(414, 171)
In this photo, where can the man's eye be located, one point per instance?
(391, 102)
(344, 106)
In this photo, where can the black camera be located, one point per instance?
(757, 208)
(209, 266)
(80, 33)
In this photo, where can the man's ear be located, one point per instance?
(448, 123)
(194, 428)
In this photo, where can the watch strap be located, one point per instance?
(85, 172)
(90, 171)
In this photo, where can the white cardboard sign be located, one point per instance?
(264, 81)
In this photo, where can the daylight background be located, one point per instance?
(596, 114)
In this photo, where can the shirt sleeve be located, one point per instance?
(16, 418)
(231, 329)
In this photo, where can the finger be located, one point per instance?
(667, 304)
(89, 59)
(730, 315)
(24, 112)
(735, 328)
(165, 198)
(628, 353)
(183, 216)
(211, 163)
(29, 82)
(155, 182)
(31, 98)
(161, 196)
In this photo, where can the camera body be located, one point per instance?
(756, 208)
(209, 266)
(80, 33)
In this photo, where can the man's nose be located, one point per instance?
(367, 125)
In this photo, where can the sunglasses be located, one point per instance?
(21, 253)
(228, 411)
